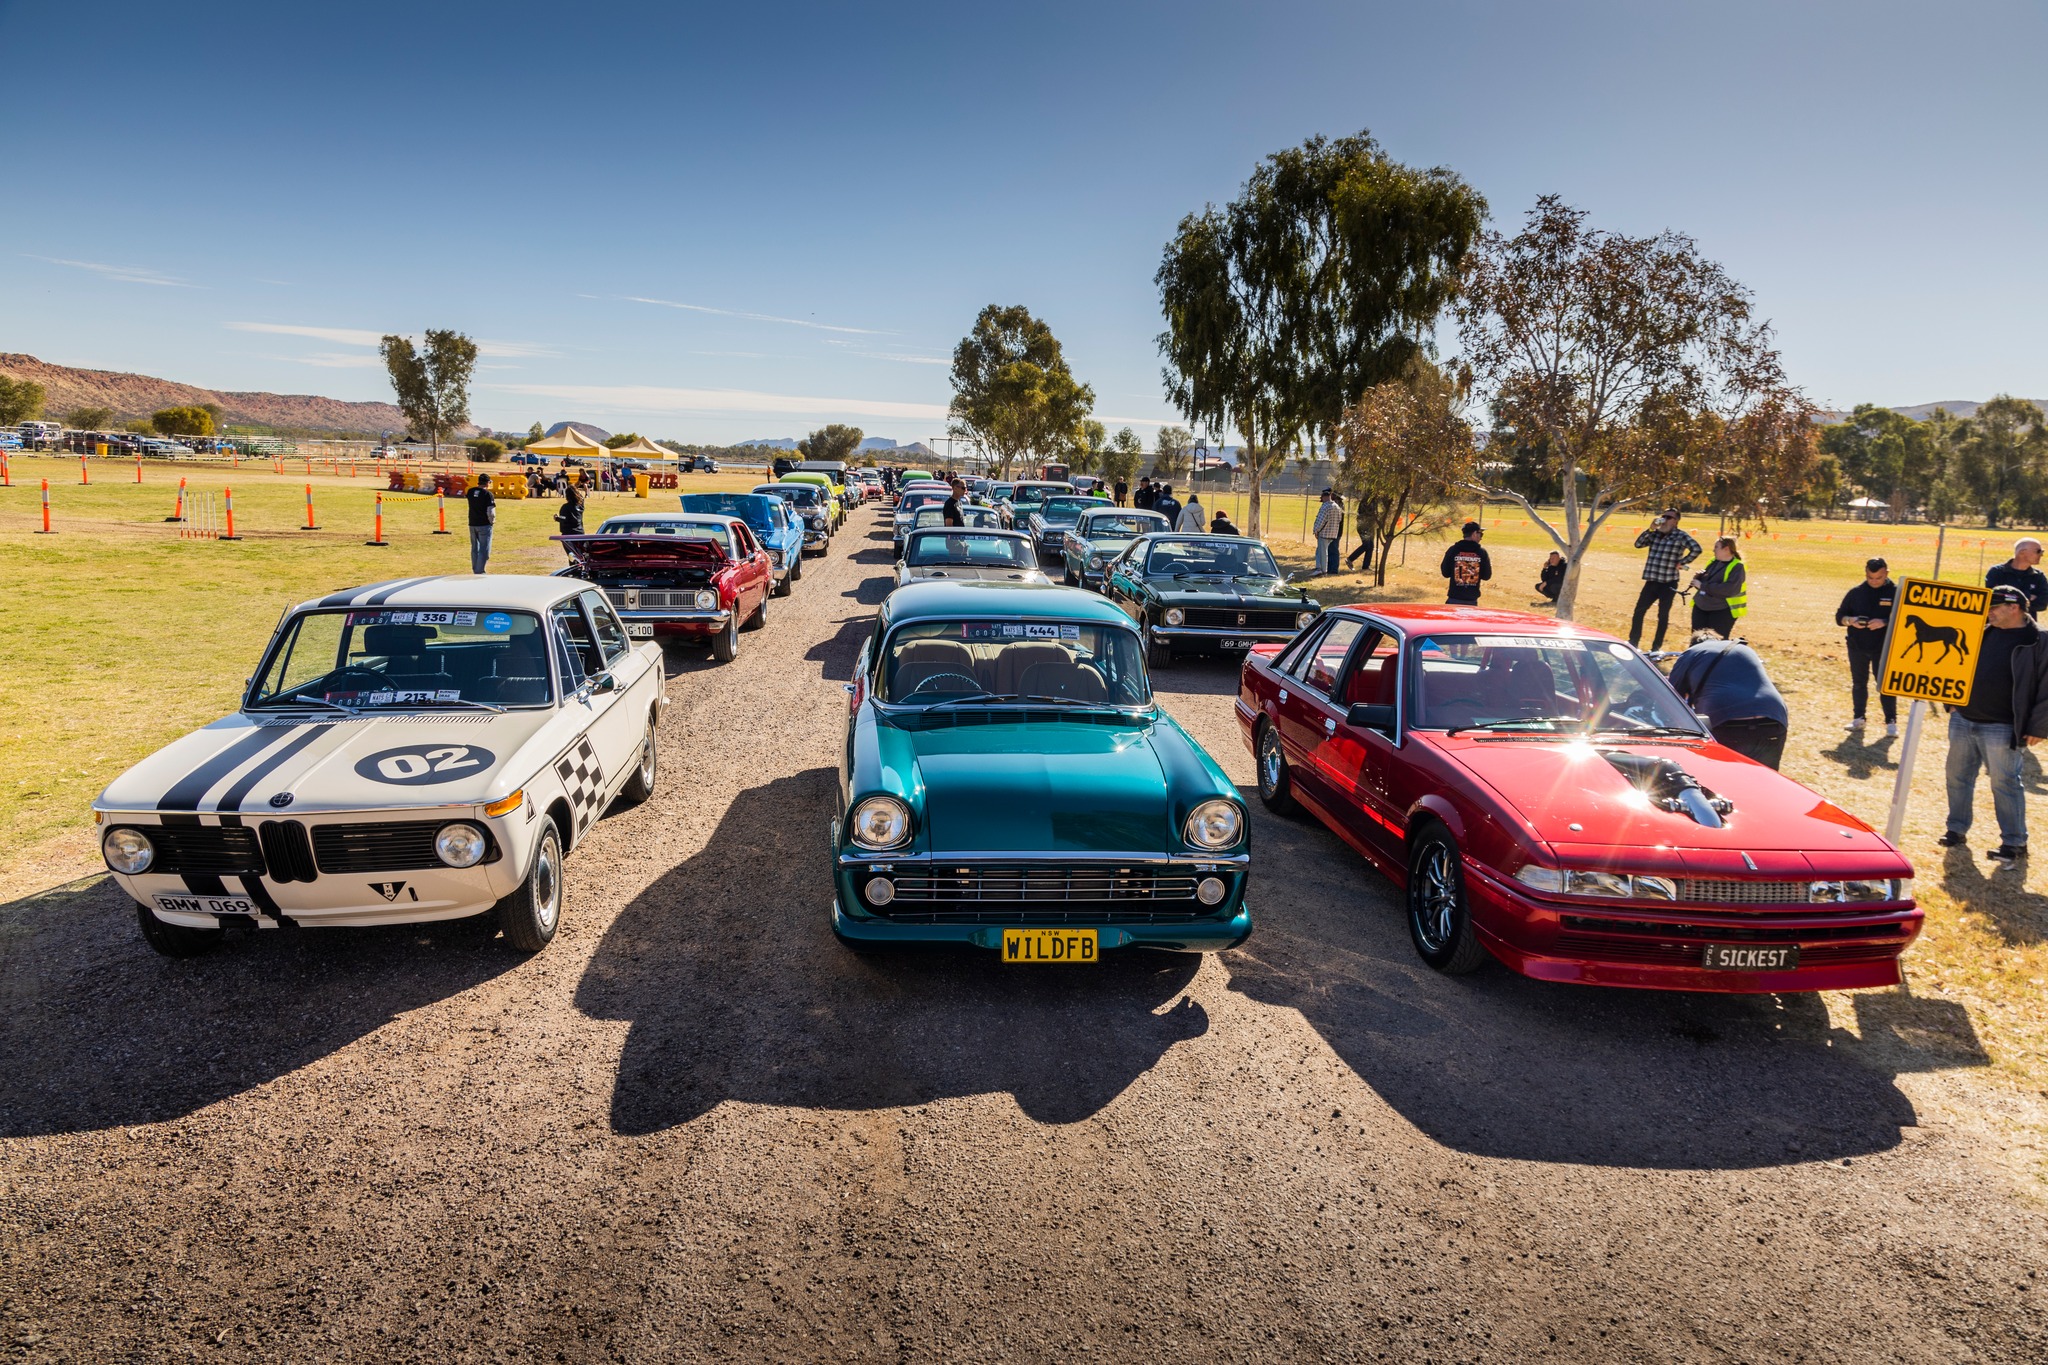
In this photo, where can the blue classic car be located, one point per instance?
(809, 507)
(770, 519)
(1008, 783)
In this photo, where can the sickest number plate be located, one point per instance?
(1742, 957)
(1050, 945)
(640, 630)
(206, 905)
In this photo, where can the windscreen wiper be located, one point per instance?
(1648, 730)
(279, 703)
(1508, 724)
(462, 701)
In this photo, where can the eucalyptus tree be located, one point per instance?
(1322, 278)
(432, 384)
(1012, 391)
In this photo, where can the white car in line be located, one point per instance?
(422, 749)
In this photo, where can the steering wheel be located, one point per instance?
(926, 685)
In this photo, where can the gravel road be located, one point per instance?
(697, 1128)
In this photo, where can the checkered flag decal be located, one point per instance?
(583, 779)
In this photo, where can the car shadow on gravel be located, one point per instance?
(1497, 1065)
(735, 989)
(838, 651)
(97, 1031)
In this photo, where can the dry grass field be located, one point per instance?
(118, 635)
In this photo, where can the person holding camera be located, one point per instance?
(1865, 612)
(1670, 550)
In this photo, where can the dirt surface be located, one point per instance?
(695, 1127)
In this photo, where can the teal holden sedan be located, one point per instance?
(1102, 534)
(1007, 782)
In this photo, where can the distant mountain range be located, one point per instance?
(597, 434)
(873, 445)
(134, 396)
(1920, 412)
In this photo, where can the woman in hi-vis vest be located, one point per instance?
(1721, 590)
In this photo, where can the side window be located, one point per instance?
(576, 649)
(745, 539)
(1374, 674)
(611, 636)
(1291, 659)
(1322, 664)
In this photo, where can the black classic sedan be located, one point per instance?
(1193, 594)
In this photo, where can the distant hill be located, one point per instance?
(134, 396)
(1920, 412)
(873, 445)
(598, 434)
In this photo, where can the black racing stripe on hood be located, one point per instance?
(231, 799)
(348, 595)
(185, 793)
(378, 599)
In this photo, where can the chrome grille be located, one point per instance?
(1732, 892)
(389, 847)
(1015, 884)
(1229, 618)
(649, 599)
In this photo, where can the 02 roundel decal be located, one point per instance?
(424, 765)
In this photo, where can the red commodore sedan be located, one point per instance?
(1544, 796)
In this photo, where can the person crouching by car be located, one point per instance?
(1550, 578)
(1865, 612)
(2007, 714)
(1721, 590)
(1467, 566)
(1724, 681)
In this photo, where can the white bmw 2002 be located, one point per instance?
(422, 749)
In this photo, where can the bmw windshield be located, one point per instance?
(352, 660)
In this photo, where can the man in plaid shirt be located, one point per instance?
(1670, 551)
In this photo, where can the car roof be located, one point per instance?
(527, 592)
(764, 497)
(1421, 617)
(974, 530)
(675, 518)
(931, 599)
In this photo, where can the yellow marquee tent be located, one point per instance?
(643, 449)
(568, 441)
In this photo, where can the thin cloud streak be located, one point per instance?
(122, 274)
(746, 402)
(356, 336)
(751, 317)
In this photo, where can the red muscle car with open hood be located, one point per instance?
(690, 574)
(1544, 796)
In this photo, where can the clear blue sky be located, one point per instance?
(727, 221)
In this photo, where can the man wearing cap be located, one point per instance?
(2022, 571)
(1467, 566)
(1328, 530)
(1864, 613)
(1670, 550)
(2008, 712)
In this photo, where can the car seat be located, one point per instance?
(1372, 681)
(1516, 683)
(407, 664)
(519, 675)
(922, 660)
(1067, 679)
(1015, 661)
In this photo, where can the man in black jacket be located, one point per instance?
(483, 515)
(2022, 571)
(1467, 566)
(2008, 713)
(1865, 612)
(1167, 505)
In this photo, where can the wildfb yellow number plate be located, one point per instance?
(1050, 945)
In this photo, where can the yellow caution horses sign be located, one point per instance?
(1930, 649)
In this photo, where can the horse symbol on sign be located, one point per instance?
(1948, 637)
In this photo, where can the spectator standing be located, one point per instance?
(950, 512)
(1550, 578)
(2007, 714)
(1670, 550)
(1721, 590)
(1145, 496)
(1193, 517)
(569, 516)
(1724, 680)
(1467, 566)
(1123, 491)
(1363, 550)
(483, 516)
(2022, 571)
(1167, 505)
(1221, 525)
(1329, 531)
(1865, 612)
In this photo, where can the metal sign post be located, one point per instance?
(1916, 684)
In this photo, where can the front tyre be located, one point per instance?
(783, 585)
(796, 566)
(725, 646)
(760, 616)
(1158, 653)
(1439, 913)
(176, 940)
(1276, 785)
(530, 915)
(640, 785)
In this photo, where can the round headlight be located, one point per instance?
(880, 822)
(461, 845)
(879, 890)
(128, 850)
(1174, 616)
(1302, 619)
(1210, 892)
(706, 600)
(1215, 824)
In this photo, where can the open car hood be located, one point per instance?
(626, 554)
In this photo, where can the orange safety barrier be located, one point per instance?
(178, 514)
(228, 496)
(379, 534)
(311, 525)
(138, 467)
(46, 531)
(6, 476)
(441, 514)
(84, 472)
